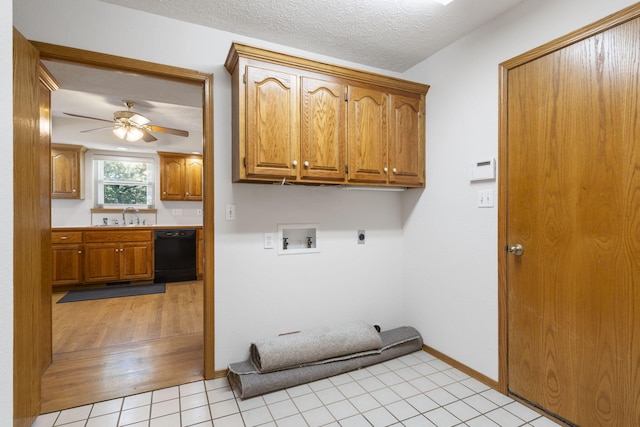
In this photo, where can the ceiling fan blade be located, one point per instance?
(139, 120)
(100, 128)
(147, 137)
(162, 129)
(87, 117)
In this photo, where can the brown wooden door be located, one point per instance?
(272, 137)
(368, 134)
(573, 203)
(322, 147)
(406, 140)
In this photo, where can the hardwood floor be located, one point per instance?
(110, 348)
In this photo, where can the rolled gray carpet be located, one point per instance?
(301, 348)
(247, 381)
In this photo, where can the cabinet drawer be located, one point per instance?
(66, 237)
(117, 236)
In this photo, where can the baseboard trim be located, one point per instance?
(462, 367)
(220, 374)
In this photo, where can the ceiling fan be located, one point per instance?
(132, 126)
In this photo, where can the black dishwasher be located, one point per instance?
(175, 255)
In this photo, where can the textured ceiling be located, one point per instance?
(389, 34)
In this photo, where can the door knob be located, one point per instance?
(516, 249)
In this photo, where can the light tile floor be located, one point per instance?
(415, 390)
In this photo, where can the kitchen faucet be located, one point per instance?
(124, 211)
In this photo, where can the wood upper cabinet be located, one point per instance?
(271, 115)
(368, 134)
(112, 256)
(322, 145)
(309, 122)
(67, 166)
(406, 158)
(180, 176)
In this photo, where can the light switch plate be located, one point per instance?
(268, 241)
(485, 199)
(230, 212)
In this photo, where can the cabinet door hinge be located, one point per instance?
(244, 162)
(346, 95)
(244, 78)
(346, 168)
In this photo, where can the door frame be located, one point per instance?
(94, 59)
(611, 21)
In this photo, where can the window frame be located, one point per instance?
(98, 184)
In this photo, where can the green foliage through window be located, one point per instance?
(124, 182)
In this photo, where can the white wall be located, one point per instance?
(450, 245)
(431, 256)
(6, 206)
(258, 293)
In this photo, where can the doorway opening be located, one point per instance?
(150, 380)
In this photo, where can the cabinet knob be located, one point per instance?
(73, 191)
(164, 192)
(187, 194)
(63, 238)
(386, 170)
(395, 170)
(79, 252)
(306, 164)
(295, 163)
(116, 249)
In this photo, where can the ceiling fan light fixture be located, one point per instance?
(134, 134)
(120, 131)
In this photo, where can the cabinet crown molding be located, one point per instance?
(238, 50)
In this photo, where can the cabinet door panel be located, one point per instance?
(172, 178)
(101, 262)
(323, 131)
(406, 144)
(136, 261)
(272, 120)
(193, 178)
(368, 134)
(66, 264)
(65, 179)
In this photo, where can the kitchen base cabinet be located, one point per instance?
(112, 256)
(66, 258)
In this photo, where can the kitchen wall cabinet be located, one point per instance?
(67, 257)
(67, 166)
(313, 123)
(112, 256)
(180, 176)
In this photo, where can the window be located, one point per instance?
(124, 181)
